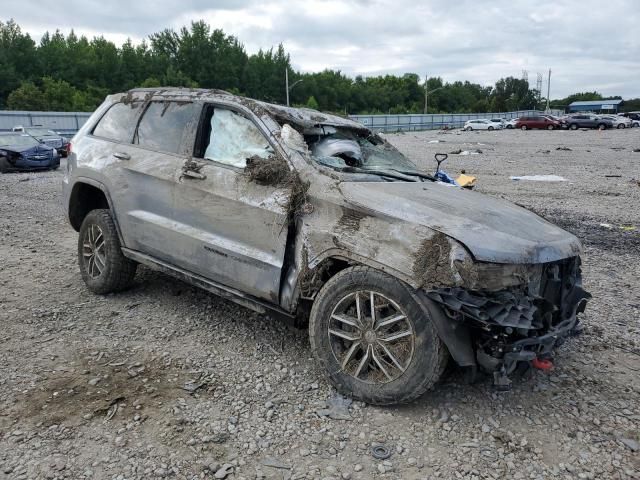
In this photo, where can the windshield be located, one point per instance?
(22, 140)
(40, 132)
(345, 149)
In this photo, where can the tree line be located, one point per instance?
(71, 73)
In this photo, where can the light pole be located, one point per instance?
(426, 96)
(286, 84)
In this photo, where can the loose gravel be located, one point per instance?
(168, 381)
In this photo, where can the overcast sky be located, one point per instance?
(589, 45)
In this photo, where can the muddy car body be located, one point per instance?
(305, 214)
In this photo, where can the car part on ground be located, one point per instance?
(295, 211)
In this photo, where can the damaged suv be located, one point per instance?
(308, 215)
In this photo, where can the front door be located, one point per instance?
(231, 229)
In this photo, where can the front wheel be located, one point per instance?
(523, 127)
(5, 166)
(601, 126)
(490, 128)
(373, 339)
(103, 267)
(549, 127)
(573, 126)
(621, 125)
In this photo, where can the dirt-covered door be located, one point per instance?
(233, 228)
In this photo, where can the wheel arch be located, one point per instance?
(87, 195)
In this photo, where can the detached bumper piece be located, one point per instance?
(518, 324)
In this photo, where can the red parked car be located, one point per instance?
(537, 122)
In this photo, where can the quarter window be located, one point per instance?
(163, 124)
(117, 123)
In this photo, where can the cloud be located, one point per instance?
(588, 46)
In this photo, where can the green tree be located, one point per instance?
(312, 103)
(27, 97)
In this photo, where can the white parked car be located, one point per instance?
(481, 124)
(511, 123)
(618, 121)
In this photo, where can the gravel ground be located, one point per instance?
(165, 380)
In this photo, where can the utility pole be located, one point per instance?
(286, 83)
(426, 93)
(548, 90)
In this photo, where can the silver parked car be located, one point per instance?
(312, 216)
(482, 124)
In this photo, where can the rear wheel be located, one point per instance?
(490, 127)
(523, 127)
(103, 267)
(573, 126)
(373, 339)
(621, 125)
(601, 126)
(5, 166)
(549, 127)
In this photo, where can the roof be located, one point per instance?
(594, 103)
(304, 117)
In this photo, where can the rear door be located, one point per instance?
(144, 166)
(231, 229)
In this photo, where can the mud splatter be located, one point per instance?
(432, 266)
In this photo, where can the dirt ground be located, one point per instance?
(165, 380)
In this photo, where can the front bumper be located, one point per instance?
(517, 323)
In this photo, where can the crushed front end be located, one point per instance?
(515, 313)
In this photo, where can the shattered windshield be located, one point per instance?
(344, 149)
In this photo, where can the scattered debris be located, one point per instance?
(380, 451)
(435, 141)
(337, 408)
(566, 149)
(630, 444)
(25, 179)
(613, 176)
(540, 178)
(193, 385)
(225, 470)
(275, 463)
(544, 151)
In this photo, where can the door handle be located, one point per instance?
(122, 155)
(193, 174)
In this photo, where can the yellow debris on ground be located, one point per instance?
(466, 181)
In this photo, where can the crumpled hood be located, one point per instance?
(26, 148)
(493, 230)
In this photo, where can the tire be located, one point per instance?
(117, 271)
(602, 126)
(573, 126)
(523, 127)
(408, 369)
(490, 128)
(509, 127)
(468, 129)
(5, 166)
(549, 127)
(620, 126)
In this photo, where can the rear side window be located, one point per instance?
(117, 123)
(163, 124)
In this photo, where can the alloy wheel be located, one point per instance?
(94, 251)
(371, 337)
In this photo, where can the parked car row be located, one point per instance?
(46, 136)
(551, 122)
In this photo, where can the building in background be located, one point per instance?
(597, 106)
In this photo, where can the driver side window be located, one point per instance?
(230, 138)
